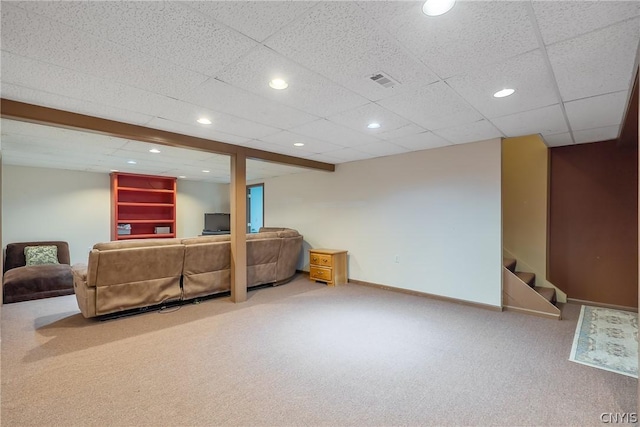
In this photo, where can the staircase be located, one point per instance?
(519, 293)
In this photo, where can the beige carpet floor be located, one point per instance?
(300, 354)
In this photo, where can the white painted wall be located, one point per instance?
(74, 206)
(438, 211)
(55, 204)
(194, 199)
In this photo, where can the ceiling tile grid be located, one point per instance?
(164, 64)
(331, 132)
(546, 120)
(527, 72)
(164, 30)
(470, 132)
(187, 114)
(257, 20)
(472, 34)
(307, 91)
(382, 148)
(349, 50)
(56, 43)
(596, 63)
(597, 134)
(199, 131)
(40, 76)
(421, 141)
(311, 144)
(598, 111)
(561, 20)
(219, 96)
(60, 102)
(435, 106)
(558, 140)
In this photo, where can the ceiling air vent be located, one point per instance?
(384, 80)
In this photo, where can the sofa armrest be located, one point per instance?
(79, 272)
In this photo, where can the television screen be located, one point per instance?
(217, 222)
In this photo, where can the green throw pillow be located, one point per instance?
(39, 255)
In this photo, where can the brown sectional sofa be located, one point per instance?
(131, 274)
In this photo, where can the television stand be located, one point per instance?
(214, 233)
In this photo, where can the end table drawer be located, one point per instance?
(321, 259)
(320, 273)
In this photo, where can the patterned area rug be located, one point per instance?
(607, 339)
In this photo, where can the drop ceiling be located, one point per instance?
(165, 64)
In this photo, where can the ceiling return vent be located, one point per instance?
(384, 80)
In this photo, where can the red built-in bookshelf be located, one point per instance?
(145, 202)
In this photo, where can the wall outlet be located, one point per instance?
(397, 259)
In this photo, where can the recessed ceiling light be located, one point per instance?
(205, 171)
(204, 121)
(182, 176)
(132, 162)
(437, 7)
(154, 151)
(298, 144)
(278, 84)
(502, 93)
(373, 125)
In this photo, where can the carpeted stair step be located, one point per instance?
(548, 293)
(509, 264)
(528, 278)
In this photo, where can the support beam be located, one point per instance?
(238, 228)
(65, 119)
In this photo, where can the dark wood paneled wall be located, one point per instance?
(593, 222)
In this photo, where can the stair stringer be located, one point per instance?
(518, 296)
(561, 296)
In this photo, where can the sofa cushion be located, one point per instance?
(37, 281)
(40, 255)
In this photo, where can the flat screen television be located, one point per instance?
(217, 222)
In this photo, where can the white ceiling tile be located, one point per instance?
(60, 102)
(61, 45)
(60, 81)
(359, 118)
(334, 133)
(527, 74)
(558, 139)
(200, 131)
(471, 132)
(410, 129)
(311, 145)
(421, 141)
(382, 148)
(446, 44)
(307, 91)
(256, 19)
(560, 20)
(219, 96)
(596, 112)
(287, 149)
(547, 120)
(596, 135)
(174, 153)
(350, 50)
(596, 63)
(434, 106)
(187, 114)
(347, 155)
(165, 30)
